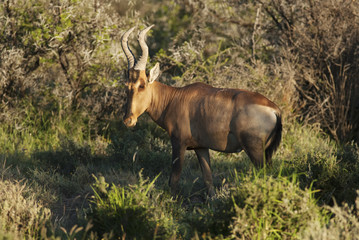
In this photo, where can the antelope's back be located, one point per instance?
(218, 118)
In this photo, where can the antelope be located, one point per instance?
(200, 117)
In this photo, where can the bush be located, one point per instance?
(320, 39)
(58, 53)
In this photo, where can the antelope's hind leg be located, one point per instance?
(254, 147)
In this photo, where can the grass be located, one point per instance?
(272, 208)
(73, 182)
(70, 170)
(115, 209)
(20, 212)
(100, 187)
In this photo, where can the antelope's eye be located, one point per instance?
(141, 86)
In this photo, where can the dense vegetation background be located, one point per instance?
(69, 168)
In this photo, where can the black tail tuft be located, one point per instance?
(276, 137)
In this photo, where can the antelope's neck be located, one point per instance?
(162, 95)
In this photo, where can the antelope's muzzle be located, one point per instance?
(130, 121)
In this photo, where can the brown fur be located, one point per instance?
(201, 117)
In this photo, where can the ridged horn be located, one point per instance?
(124, 44)
(141, 64)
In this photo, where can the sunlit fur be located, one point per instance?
(200, 117)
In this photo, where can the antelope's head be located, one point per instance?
(138, 85)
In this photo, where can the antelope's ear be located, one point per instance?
(154, 73)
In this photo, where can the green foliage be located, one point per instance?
(41, 131)
(146, 147)
(273, 208)
(136, 211)
(57, 45)
(259, 206)
(61, 98)
(331, 169)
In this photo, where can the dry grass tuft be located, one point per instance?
(20, 213)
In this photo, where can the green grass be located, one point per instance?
(135, 211)
(69, 169)
(273, 208)
(292, 199)
(114, 185)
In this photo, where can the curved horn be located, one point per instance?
(124, 44)
(141, 64)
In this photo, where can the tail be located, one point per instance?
(274, 138)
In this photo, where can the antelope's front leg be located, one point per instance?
(178, 151)
(204, 161)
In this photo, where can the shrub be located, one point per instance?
(61, 54)
(320, 39)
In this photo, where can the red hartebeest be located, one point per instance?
(201, 117)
